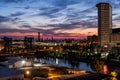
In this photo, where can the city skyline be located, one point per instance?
(57, 18)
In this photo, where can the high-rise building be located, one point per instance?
(104, 23)
(107, 35)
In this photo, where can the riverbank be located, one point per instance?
(54, 72)
(90, 65)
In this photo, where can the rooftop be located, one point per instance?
(116, 30)
(103, 3)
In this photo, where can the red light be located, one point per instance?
(105, 69)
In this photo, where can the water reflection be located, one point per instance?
(74, 64)
(97, 66)
(66, 63)
(94, 66)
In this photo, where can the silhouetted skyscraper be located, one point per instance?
(104, 23)
(28, 42)
(7, 44)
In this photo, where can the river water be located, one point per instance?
(65, 63)
(95, 66)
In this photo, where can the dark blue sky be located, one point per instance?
(52, 17)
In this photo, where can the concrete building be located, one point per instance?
(115, 37)
(105, 34)
(92, 39)
(15, 62)
(104, 23)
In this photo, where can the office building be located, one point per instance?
(106, 36)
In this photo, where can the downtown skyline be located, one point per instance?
(57, 18)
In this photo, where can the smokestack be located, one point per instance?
(38, 36)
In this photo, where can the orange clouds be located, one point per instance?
(77, 33)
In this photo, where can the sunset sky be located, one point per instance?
(57, 18)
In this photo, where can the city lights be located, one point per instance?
(59, 39)
(23, 62)
(27, 72)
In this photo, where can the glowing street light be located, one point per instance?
(114, 74)
(27, 72)
(23, 62)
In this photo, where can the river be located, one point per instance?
(95, 66)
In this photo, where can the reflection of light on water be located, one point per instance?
(56, 61)
(61, 62)
(35, 59)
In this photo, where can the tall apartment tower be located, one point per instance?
(104, 23)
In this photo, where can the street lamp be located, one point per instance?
(27, 72)
(23, 62)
